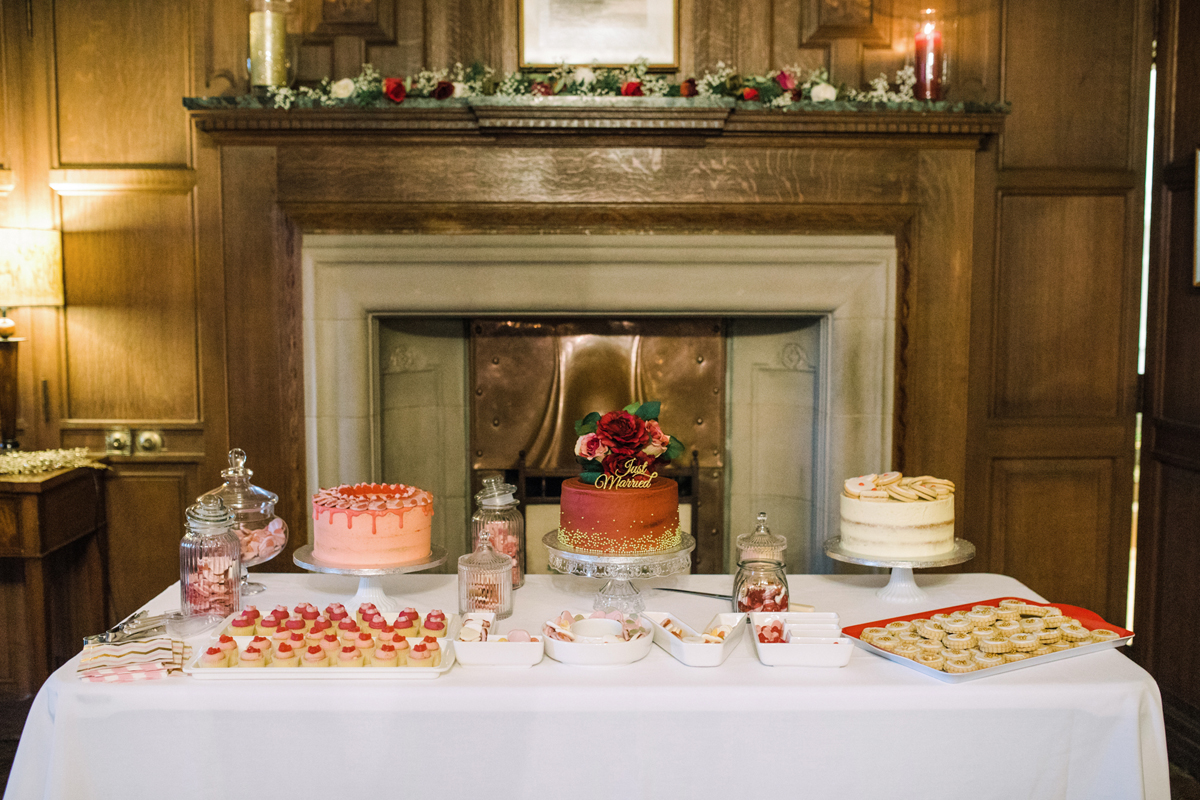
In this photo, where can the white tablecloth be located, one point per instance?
(1088, 727)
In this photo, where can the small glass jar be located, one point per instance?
(261, 534)
(210, 561)
(761, 544)
(485, 580)
(498, 515)
(274, 41)
(760, 585)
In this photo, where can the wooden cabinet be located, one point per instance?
(53, 580)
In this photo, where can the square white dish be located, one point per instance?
(446, 643)
(493, 653)
(694, 654)
(608, 654)
(812, 639)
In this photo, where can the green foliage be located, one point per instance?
(648, 410)
(587, 424)
(590, 478)
(674, 450)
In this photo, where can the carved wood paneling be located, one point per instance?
(1062, 274)
(1180, 313)
(145, 523)
(129, 271)
(868, 21)
(1070, 77)
(121, 110)
(1049, 528)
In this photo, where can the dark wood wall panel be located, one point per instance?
(146, 504)
(1068, 75)
(1049, 526)
(129, 273)
(12, 606)
(405, 55)
(1177, 661)
(1059, 310)
(1181, 314)
(121, 67)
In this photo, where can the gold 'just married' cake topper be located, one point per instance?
(618, 450)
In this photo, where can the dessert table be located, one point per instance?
(1083, 727)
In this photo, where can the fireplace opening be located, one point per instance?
(743, 395)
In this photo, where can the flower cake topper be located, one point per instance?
(618, 450)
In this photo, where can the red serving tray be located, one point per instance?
(1088, 619)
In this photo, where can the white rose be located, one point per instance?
(460, 89)
(584, 75)
(342, 89)
(823, 92)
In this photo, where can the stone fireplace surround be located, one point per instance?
(268, 179)
(846, 281)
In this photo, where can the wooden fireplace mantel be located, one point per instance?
(266, 177)
(575, 123)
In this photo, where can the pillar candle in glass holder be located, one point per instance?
(269, 61)
(928, 54)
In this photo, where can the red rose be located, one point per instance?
(632, 89)
(394, 89)
(688, 88)
(443, 90)
(622, 432)
(785, 81)
(542, 88)
(749, 94)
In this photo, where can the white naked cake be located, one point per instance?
(889, 516)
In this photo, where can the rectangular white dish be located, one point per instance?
(446, 643)
(694, 654)
(493, 653)
(609, 654)
(812, 639)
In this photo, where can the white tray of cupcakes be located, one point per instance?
(707, 647)
(480, 643)
(305, 643)
(598, 638)
(800, 639)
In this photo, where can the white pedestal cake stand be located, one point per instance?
(370, 588)
(902, 587)
(619, 593)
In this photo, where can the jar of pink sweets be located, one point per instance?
(760, 585)
(260, 533)
(498, 515)
(210, 561)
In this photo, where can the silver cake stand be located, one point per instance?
(619, 593)
(370, 587)
(902, 588)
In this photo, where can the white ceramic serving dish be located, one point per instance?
(695, 654)
(494, 653)
(812, 639)
(446, 643)
(600, 654)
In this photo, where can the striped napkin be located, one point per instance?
(128, 662)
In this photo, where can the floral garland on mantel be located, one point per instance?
(787, 90)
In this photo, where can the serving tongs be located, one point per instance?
(138, 625)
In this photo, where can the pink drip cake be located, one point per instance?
(371, 525)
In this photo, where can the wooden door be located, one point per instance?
(1167, 594)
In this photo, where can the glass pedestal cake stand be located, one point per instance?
(619, 593)
(370, 587)
(902, 587)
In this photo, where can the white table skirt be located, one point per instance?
(1086, 727)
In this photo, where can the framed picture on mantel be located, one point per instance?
(607, 33)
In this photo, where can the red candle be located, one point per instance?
(928, 52)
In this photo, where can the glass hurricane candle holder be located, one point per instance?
(930, 56)
(273, 44)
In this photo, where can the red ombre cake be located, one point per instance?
(370, 525)
(610, 521)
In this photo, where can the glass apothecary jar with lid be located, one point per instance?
(499, 517)
(210, 561)
(260, 533)
(760, 585)
(485, 580)
(761, 544)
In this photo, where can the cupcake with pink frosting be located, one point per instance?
(431, 644)
(285, 656)
(268, 625)
(384, 656)
(296, 625)
(295, 641)
(434, 624)
(228, 646)
(214, 657)
(262, 643)
(349, 656)
(280, 612)
(251, 611)
(336, 612)
(365, 643)
(314, 656)
(363, 610)
(252, 658)
(407, 623)
(331, 645)
(242, 626)
(419, 656)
